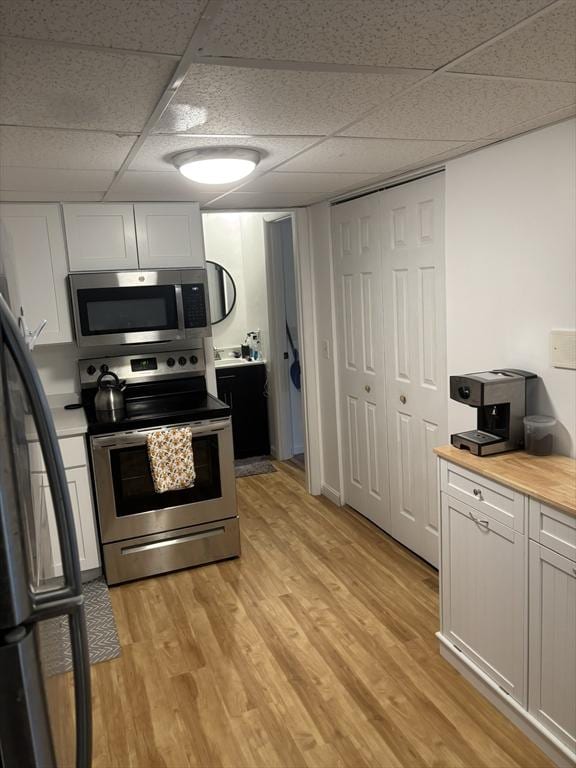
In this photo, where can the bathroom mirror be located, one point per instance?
(221, 290)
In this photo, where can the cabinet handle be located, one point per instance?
(367, 387)
(482, 523)
(478, 493)
(403, 399)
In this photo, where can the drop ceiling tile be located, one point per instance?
(32, 196)
(221, 99)
(544, 48)
(53, 86)
(366, 155)
(149, 185)
(306, 184)
(148, 25)
(552, 117)
(156, 151)
(45, 148)
(50, 180)
(463, 107)
(404, 33)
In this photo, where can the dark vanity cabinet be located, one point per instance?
(242, 387)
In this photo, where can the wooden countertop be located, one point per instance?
(551, 479)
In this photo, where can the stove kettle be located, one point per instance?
(110, 394)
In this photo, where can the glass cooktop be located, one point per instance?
(153, 405)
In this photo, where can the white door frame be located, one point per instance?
(306, 311)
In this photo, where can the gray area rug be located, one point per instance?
(255, 465)
(56, 651)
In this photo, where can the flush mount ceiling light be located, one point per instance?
(216, 165)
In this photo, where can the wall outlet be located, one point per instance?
(326, 349)
(563, 349)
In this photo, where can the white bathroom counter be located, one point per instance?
(235, 362)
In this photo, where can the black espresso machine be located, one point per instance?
(499, 397)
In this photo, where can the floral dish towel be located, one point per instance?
(171, 459)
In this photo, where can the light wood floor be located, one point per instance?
(315, 648)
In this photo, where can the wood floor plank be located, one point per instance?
(314, 649)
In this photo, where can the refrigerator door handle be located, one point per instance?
(69, 596)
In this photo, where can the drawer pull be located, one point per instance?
(478, 493)
(482, 523)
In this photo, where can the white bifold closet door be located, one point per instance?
(415, 350)
(358, 302)
(390, 307)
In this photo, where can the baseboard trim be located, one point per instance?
(536, 732)
(331, 494)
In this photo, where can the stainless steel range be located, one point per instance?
(144, 532)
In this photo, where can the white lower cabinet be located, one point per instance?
(508, 606)
(552, 666)
(48, 553)
(483, 593)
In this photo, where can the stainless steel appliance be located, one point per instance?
(45, 714)
(117, 308)
(109, 395)
(499, 397)
(144, 532)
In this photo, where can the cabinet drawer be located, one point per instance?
(552, 528)
(73, 453)
(498, 501)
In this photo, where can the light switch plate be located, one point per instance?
(563, 349)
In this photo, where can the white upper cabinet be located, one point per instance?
(169, 235)
(113, 236)
(33, 259)
(100, 236)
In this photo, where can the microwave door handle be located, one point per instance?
(180, 310)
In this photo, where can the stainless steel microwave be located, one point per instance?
(112, 308)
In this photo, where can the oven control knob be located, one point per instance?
(91, 370)
(103, 368)
(193, 359)
(170, 362)
(464, 392)
(182, 360)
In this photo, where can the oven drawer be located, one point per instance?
(171, 550)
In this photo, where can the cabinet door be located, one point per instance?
(552, 668)
(169, 235)
(484, 593)
(100, 236)
(242, 388)
(83, 511)
(33, 258)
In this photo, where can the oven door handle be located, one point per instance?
(139, 438)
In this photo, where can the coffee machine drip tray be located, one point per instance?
(477, 436)
(477, 442)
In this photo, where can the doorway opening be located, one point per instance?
(256, 336)
(286, 383)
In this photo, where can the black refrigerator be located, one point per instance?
(45, 708)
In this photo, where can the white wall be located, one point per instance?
(511, 266)
(320, 236)
(223, 244)
(58, 368)
(255, 282)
